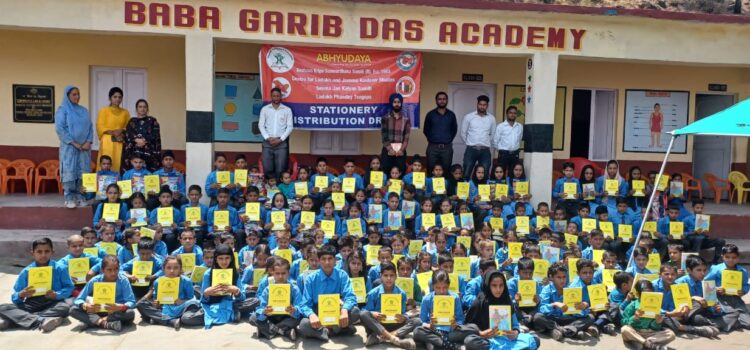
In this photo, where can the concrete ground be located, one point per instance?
(241, 335)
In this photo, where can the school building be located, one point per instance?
(593, 73)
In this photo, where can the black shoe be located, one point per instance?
(176, 324)
(115, 326)
(291, 334)
(348, 331)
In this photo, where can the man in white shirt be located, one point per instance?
(507, 140)
(275, 125)
(476, 131)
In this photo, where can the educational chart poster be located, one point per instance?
(237, 104)
(341, 88)
(515, 95)
(650, 115)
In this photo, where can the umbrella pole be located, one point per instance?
(651, 199)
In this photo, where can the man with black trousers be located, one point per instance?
(440, 128)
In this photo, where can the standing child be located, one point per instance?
(35, 307)
(110, 316)
(174, 312)
(646, 332)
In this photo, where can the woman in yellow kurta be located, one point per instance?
(110, 125)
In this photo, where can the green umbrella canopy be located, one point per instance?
(733, 121)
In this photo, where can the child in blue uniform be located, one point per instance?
(115, 316)
(172, 312)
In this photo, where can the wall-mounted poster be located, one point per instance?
(237, 104)
(514, 95)
(650, 115)
(33, 103)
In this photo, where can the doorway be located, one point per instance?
(711, 154)
(132, 81)
(462, 100)
(593, 124)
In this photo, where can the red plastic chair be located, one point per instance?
(334, 171)
(294, 166)
(692, 184)
(556, 174)
(179, 167)
(359, 171)
(581, 162)
(18, 170)
(719, 186)
(48, 170)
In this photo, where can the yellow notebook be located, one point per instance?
(428, 220)
(240, 177)
(571, 297)
(484, 193)
(453, 286)
(515, 250)
(93, 251)
(188, 261)
(462, 266)
(588, 224)
(307, 218)
(662, 183)
(109, 248)
(597, 255)
(339, 200)
(349, 185)
(168, 291)
(438, 185)
(105, 293)
(521, 187)
(221, 219)
(321, 182)
(423, 278)
(654, 262)
(462, 190)
(570, 239)
(223, 178)
(252, 211)
(192, 216)
(258, 275)
(126, 188)
(466, 241)
(221, 276)
(90, 182)
(278, 218)
(448, 221)
(147, 232)
(681, 296)
(497, 224)
(329, 309)
(40, 278)
(415, 246)
(625, 232)
(676, 229)
(165, 216)
(650, 226)
(608, 278)
(570, 189)
(418, 179)
(651, 304)
(300, 189)
(376, 179)
(608, 229)
(285, 253)
(111, 212)
(527, 290)
(522, 225)
(390, 306)
(198, 273)
(572, 268)
(443, 309)
(541, 267)
(542, 221)
(611, 187)
(279, 298)
(395, 186)
(731, 281)
(501, 190)
(78, 268)
(407, 285)
(151, 183)
(141, 270)
(639, 188)
(598, 297)
(359, 288)
(329, 228)
(372, 254)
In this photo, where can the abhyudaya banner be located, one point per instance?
(341, 88)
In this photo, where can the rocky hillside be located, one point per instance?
(702, 6)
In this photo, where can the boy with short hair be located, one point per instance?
(673, 213)
(269, 324)
(188, 246)
(349, 167)
(373, 320)
(38, 309)
(585, 278)
(525, 273)
(385, 254)
(222, 204)
(567, 202)
(699, 239)
(678, 317)
(731, 301)
(171, 177)
(170, 233)
(212, 185)
(75, 249)
(145, 253)
(194, 196)
(474, 286)
(551, 315)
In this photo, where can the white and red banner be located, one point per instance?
(341, 88)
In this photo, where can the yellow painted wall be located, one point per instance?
(61, 59)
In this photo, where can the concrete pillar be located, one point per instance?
(199, 86)
(541, 86)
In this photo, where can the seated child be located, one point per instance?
(646, 332)
(220, 302)
(731, 300)
(110, 316)
(172, 312)
(441, 334)
(270, 323)
(552, 311)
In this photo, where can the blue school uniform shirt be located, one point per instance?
(558, 191)
(65, 261)
(667, 301)
(173, 174)
(633, 270)
(128, 216)
(663, 227)
(318, 282)
(385, 229)
(123, 216)
(689, 225)
(599, 274)
(509, 210)
(547, 297)
(124, 254)
(579, 283)
(220, 312)
(611, 200)
(204, 212)
(241, 255)
(372, 275)
(296, 300)
(420, 231)
(627, 218)
(427, 307)
(359, 183)
(472, 291)
(61, 282)
(196, 249)
(160, 249)
(715, 275)
(618, 297)
(211, 179)
(102, 253)
(130, 174)
(373, 298)
(156, 267)
(185, 293)
(176, 217)
(513, 288)
(234, 219)
(123, 292)
(343, 229)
